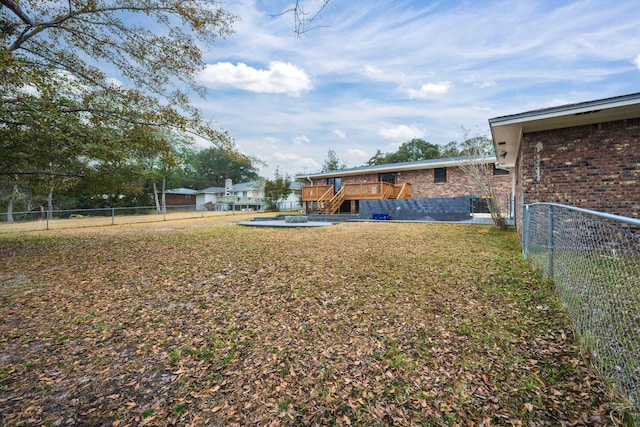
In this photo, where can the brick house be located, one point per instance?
(585, 155)
(180, 197)
(440, 186)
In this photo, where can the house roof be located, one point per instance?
(507, 131)
(399, 167)
(243, 186)
(181, 191)
(210, 190)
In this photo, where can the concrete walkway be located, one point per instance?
(282, 223)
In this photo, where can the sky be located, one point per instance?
(373, 74)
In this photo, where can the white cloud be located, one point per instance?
(357, 156)
(427, 90)
(637, 61)
(401, 133)
(285, 156)
(479, 83)
(280, 77)
(372, 72)
(295, 162)
(301, 139)
(340, 133)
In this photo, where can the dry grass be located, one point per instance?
(204, 322)
(174, 217)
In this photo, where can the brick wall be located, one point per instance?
(458, 184)
(423, 186)
(180, 199)
(593, 167)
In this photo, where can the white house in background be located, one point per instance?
(208, 197)
(294, 200)
(246, 196)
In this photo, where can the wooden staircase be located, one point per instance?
(332, 205)
(405, 191)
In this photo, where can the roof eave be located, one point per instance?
(507, 131)
(398, 167)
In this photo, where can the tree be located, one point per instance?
(414, 150)
(60, 106)
(377, 159)
(276, 190)
(481, 173)
(211, 166)
(450, 150)
(332, 162)
(304, 19)
(411, 151)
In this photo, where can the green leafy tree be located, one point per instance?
(411, 151)
(60, 109)
(210, 167)
(332, 162)
(378, 159)
(276, 191)
(450, 150)
(416, 149)
(476, 145)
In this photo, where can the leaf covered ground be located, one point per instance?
(217, 324)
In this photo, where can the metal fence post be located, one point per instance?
(550, 242)
(526, 230)
(113, 215)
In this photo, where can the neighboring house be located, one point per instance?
(440, 184)
(208, 197)
(243, 196)
(585, 155)
(180, 197)
(293, 201)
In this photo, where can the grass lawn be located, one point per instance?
(209, 323)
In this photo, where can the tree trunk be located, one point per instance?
(10, 209)
(50, 200)
(164, 197)
(155, 198)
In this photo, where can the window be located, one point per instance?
(391, 177)
(497, 171)
(336, 182)
(440, 175)
(479, 204)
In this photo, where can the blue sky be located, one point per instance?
(375, 74)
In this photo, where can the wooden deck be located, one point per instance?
(324, 199)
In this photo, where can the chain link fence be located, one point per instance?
(41, 219)
(594, 260)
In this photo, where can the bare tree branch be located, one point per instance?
(301, 18)
(13, 6)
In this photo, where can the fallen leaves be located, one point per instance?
(356, 324)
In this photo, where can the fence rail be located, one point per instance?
(38, 219)
(594, 260)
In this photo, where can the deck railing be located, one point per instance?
(404, 192)
(314, 193)
(361, 191)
